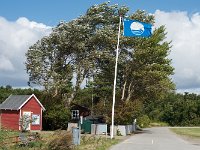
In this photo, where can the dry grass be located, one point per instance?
(88, 141)
(92, 142)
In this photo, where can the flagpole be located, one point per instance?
(115, 78)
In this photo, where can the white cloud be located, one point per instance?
(184, 32)
(5, 64)
(15, 39)
(31, 24)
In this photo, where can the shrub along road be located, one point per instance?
(159, 138)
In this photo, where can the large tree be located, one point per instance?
(84, 49)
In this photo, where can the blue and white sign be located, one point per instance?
(134, 28)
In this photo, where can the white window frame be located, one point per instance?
(75, 114)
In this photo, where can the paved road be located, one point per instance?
(160, 138)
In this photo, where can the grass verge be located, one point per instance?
(95, 143)
(189, 132)
(88, 142)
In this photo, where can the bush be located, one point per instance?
(62, 141)
(143, 121)
(56, 117)
(126, 112)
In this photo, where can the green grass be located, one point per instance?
(158, 124)
(190, 132)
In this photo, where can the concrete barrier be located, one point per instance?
(99, 129)
(123, 130)
(71, 125)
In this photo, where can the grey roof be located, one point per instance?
(13, 102)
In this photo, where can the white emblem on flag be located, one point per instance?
(137, 28)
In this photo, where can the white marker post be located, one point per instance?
(115, 78)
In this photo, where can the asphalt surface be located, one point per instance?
(159, 138)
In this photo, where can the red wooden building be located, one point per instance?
(15, 107)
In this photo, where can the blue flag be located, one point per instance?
(134, 28)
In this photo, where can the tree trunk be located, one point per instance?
(129, 92)
(79, 79)
(123, 91)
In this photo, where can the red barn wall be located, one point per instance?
(10, 119)
(33, 106)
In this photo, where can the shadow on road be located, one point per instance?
(143, 131)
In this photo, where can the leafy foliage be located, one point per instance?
(143, 121)
(57, 117)
(84, 50)
(183, 110)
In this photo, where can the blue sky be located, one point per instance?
(51, 12)
(23, 22)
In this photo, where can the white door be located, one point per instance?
(26, 121)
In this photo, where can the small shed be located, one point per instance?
(86, 125)
(16, 107)
(78, 111)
